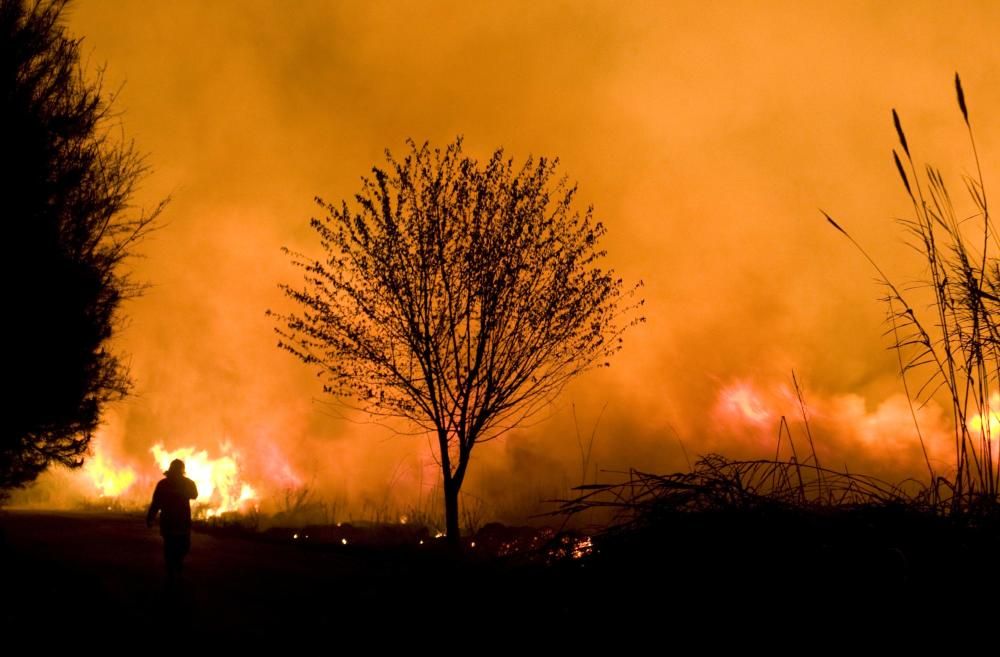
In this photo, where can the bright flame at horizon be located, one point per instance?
(747, 419)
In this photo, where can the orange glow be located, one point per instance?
(220, 488)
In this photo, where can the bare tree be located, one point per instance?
(66, 180)
(457, 295)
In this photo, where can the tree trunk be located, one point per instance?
(451, 511)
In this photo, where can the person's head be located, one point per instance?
(176, 468)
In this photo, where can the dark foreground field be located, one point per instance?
(89, 576)
(98, 573)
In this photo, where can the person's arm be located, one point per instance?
(154, 507)
(192, 489)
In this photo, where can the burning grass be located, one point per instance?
(770, 529)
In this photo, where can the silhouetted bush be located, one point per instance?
(65, 188)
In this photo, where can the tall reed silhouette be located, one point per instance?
(951, 349)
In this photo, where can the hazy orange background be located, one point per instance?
(706, 135)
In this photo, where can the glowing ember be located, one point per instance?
(109, 480)
(220, 489)
(582, 548)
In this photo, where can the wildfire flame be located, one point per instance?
(220, 488)
(741, 400)
(976, 424)
(109, 480)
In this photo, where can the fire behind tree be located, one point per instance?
(459, 296)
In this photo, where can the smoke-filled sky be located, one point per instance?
(706, 135)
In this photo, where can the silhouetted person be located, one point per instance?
(171, 500)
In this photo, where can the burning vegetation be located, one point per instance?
(221, 485)
(456, 299)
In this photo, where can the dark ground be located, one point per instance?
(91, 575)
(106, 571)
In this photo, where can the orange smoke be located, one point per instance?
(704, 137)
